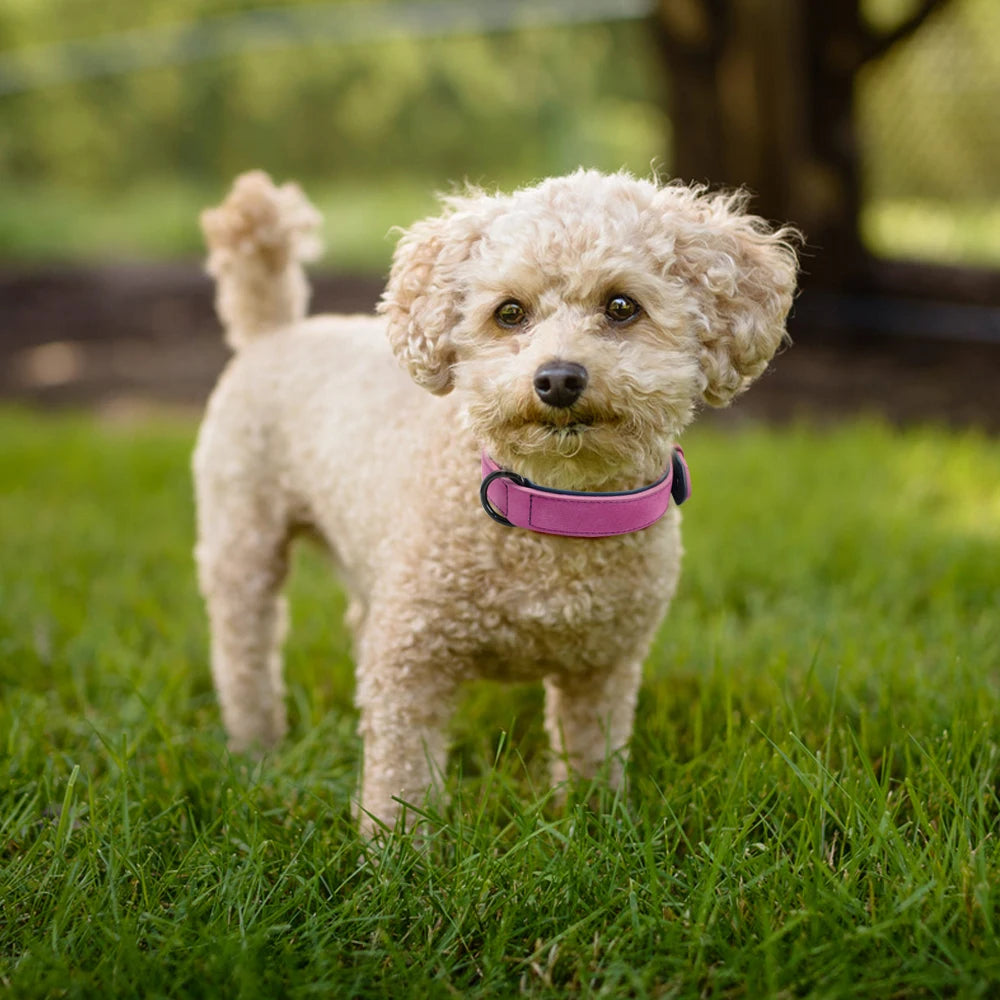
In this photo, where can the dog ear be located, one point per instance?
(744, 276)
(422, 299)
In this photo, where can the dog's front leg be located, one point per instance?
(404, 715)
(589, 719)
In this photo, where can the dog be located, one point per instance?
(491, 459)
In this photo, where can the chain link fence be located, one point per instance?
(929, 127)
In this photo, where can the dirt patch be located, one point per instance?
(113, 336)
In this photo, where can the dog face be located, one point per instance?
(583, 319)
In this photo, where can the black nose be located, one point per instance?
(560, 383)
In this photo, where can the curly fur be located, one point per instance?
(257, 243)
(314, 427)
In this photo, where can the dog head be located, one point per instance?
(583, 319)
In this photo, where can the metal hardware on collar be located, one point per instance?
(520, 503)
(680, 487)
(484, 489)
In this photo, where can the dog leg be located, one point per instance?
(403, 727)
(589, 722)
(241, 569)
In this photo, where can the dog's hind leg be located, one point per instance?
(242, 563)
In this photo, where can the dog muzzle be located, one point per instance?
(517, 502)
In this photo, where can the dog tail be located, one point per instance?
(258, 240)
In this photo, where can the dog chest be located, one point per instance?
(552, 604)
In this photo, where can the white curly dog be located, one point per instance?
(550, 346)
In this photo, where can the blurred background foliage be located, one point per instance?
(117, 163)
(929, 127)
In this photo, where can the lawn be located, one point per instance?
(156, 220)
(814, 805)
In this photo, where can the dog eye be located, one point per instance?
(510, 313)
(621, 308)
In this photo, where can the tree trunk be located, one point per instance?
(761, 96)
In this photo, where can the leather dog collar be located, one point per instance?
(517, 502)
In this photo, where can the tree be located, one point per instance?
(761, 95)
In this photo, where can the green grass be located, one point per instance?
(941, 232)
(159, 219)
(814, 806)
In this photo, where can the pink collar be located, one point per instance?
(517, 502)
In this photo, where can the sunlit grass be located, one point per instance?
(813, 807)
(159, 219)
(935, 231)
